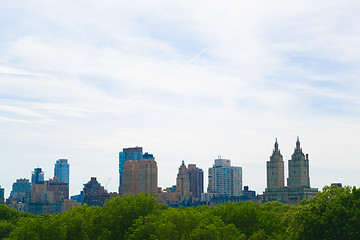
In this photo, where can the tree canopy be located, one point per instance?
(333, 213)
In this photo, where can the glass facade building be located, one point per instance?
(62, 170)
(37, 176)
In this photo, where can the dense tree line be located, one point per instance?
(333, 213)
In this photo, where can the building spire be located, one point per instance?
(298, 143)
(276, 145)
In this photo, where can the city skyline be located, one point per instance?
(140, 157)
(134, 155)
(186, 80)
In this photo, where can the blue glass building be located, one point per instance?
(62, 170)
(2, 199)
(37, 176)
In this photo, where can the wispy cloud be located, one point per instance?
(222, 79)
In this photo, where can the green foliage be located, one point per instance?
(8, 220)
(121, 212)
(332, 214)
(184, 223)
(8, 214)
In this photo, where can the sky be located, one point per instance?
(185, 80)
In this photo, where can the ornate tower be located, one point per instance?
(298, 169)
(183, 182)
(275, 170)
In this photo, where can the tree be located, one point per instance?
(333, 213)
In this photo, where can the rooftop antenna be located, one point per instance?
(107, 182)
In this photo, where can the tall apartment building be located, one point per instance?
(275, 169)
(148, 174)
(298, 168)
(224, 179)
(298, 183)
(37, 176)
(19, 188)
(135, 153)
(130, 180)
(2, 199)
(62, 170)
(196, 176)
(183, 183)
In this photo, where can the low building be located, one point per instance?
(19, 189)
(46, 197)
(94, 194)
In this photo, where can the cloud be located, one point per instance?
(85, 79)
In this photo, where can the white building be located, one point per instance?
(225, 180)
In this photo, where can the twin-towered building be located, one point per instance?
(298, 182)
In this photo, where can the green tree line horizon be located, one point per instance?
(333, 213)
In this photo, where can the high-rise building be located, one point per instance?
(298, 168)
(135, 153)
(62, 169)
(196, 176)
(148, 174)
(130, 181)
(275, 170)
(19, 188)
(224, 179)
(2, 199)
(298, 183)
(37, 176)
(183, 183)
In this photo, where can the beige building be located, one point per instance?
(298, 184)
(183, 183)
(140, 176)
(131, 177)
(179, 193)
(275, 170)
(47, 197)
(148, 176)
(298, 169)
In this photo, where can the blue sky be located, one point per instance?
(184, 80)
